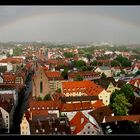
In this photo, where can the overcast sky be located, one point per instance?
(119, 24)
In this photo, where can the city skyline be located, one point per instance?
(117, 24)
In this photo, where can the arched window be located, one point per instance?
(41, 87)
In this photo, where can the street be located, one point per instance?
(21, 106)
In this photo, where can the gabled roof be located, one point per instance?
(9, 77)
(47, 105)
(54, 75)
(104, 61)
(76, 106)
(88, 87)
(120, 83)
(123, 118)
(104, 67)
(104, 82)
(79, 121)
(100, 113)
(98, 104)
(78, 98)
(83, 74)
(6, 106)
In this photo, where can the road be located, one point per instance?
(21, 106)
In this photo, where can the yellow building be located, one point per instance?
(24, 126)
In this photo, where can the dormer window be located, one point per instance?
(36, 130)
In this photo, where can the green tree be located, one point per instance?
(64, 73)
(88, 56)
(68, 54)
(103, 76)
(80, 64)
(59, 90)
(120, 105)
(47, 97)
(78, 78)
(138, 72)
(17, 51)
(94, 63)
(84, 68)
(122, 72)
(128, 91)
(123, 61)
(39, 98)
(115, 63)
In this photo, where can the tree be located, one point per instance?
(68, 54)
(47, 97)
(88, 56)
(103, 76)
(59, 90)
(80, 64)
(128, 91)
(120, 105)
(138, 72)
(39, 98)
(78, 78)
(64, 73)
(123, 61)
(84, 68)
(94, 63)
(122, 72)
(17, 51)
(115, 63)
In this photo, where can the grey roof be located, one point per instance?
(104, 68)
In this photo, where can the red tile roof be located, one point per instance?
(9, 77)
(122, 118)
(85, 74)
(6, 106)
(104, 61)
(76, 121)
(76, 107)
(133, 81)
(98, 104)
(12, 60)
(54, 75)
(44, 105)
(39, 112)
(88, 87)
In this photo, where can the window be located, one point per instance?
(92, 132)
(106, 101)
(41, 87)
(84, 132)
(6, 116)
(88, 132)
(88, 127)
(6, 125)
(36, 130)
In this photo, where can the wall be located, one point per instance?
(6, 118)
(105, 97)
